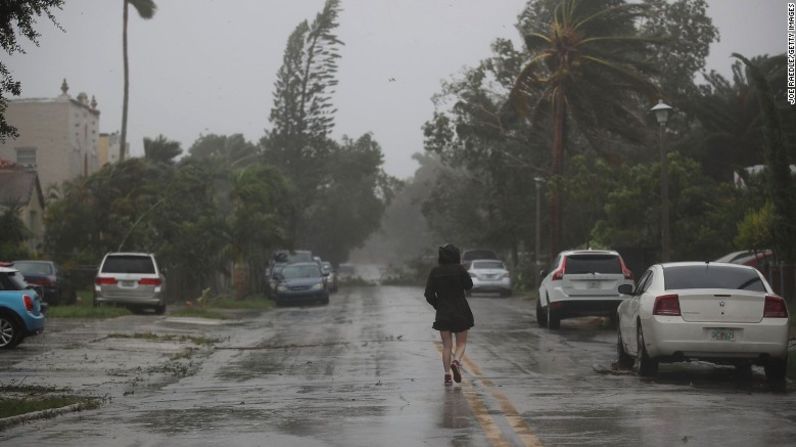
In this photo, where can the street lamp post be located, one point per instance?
(537, 248)
(662, 116)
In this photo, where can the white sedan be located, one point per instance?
(490, 275)
(723, 313)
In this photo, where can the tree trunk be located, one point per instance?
(126, 98)
(557, 169)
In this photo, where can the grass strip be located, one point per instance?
(15, 406)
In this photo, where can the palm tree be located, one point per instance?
(146, 9)
(587, 65)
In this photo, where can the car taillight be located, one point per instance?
(105, 281)
(559, 273)
(625, 271)
(149, 281)
(666, 305)
(28, 302)
(775, 307)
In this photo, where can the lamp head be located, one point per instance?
(661, 112)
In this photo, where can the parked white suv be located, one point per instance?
(581, 283)
(131, 279)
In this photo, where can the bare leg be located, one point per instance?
(447, 345)
(461, 343)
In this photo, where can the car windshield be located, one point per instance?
(712, 277)
(301, 271)
(607, 264)
(487, 265)
(34, 268)
(128, 264)
(12, 281)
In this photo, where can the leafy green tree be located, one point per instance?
(257, 224)
(161, 149)
(13, 235)
(146, 10)
(704, 214)
(16, 21)
(781, 188)
(587, 65)
(491, 166)
(350, 205)
(686, 32)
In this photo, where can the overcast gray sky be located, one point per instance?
(208, 66)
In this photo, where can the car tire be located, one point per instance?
(647, 366)
(10, 331)
(553, 319)
(505, 293)
(541, 318)
(625, 361)
(160, 309)
(776, 369)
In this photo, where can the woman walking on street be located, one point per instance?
(445, 290)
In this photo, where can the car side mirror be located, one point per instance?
(542, 273)
(278, 276)
(325, 274)
(626, 289)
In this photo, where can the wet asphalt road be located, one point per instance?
(365, 371)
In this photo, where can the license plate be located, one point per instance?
(127, 283)
(722, 334)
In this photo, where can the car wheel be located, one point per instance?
(553, 319)
(541, 318)
(613, 320)
(776, 369)
(625, 360)
(647, 367)
(10, 332)
(160, 309)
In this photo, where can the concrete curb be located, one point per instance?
(42, 414)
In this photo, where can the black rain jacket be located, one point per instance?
(445, 291)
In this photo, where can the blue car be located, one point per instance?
(301, 283)
(21, 309)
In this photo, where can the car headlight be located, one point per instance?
(506, 275)
(318, 286)
(281, 288)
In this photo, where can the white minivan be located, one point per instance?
(131, 279)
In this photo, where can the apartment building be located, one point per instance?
(58, 137)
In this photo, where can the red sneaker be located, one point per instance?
(448, 381)
(456, 370)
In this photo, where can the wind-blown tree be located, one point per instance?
(161, 149)
(780, 183)
(303, 114)
(587, 66)
(350, 204)
(146, 10)
(16, 21)
(730, 135)
(257, 223)
(490, 169)
(685, 32)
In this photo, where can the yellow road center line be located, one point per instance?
(492, 432)
(516, 421)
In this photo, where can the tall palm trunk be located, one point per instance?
(123, 136)
(557, 169)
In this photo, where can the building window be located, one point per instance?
(26, 156)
